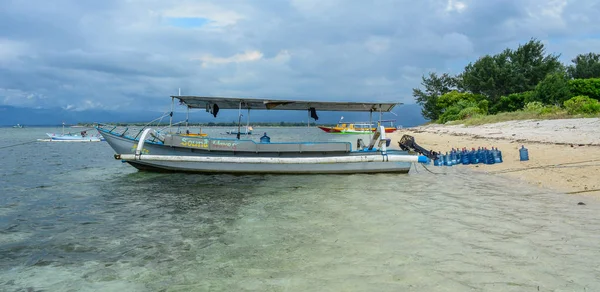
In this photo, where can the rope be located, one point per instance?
(18, 144)
(432, 171)
(584, 191)
(543, 166)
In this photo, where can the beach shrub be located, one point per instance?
(450, 114)
(533, 107)
(553, 89)
(511, 102)
(454, 97)
(469, 112)
(587, 87)
(453, 112)
(582, 105)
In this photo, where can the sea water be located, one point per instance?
(74, 219)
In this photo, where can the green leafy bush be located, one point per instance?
(553, 89)
(539, 108)
(512, 102)
(533, 107)
(587, 87)
(582, 105)
(469, 112)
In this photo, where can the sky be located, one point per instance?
(133, 54)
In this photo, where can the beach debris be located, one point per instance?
(581, 204)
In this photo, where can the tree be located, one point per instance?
(585, 66)
(554, 89)
(509, 71)
(435, 86)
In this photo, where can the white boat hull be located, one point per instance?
(72, 138)
(158, 157)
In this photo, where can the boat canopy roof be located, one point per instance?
(274, 104)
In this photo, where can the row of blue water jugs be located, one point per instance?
(464, 156)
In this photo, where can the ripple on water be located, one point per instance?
(92, 224)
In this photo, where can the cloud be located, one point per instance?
(123, 55)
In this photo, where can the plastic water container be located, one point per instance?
(464, 157)
(490, 156)
(496, 154)
(265, 138)
(472, 157)
(523, 153)
(447, 159)
(499, 155)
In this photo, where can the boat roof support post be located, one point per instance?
(248, 121)
(370, 124)
(171, 114)
(308, 118)
(187, 118)
(239, 121)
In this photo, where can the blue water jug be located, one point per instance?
(496, 154)
(265, 138)
(523, 153)
(448, 159)
(472, 157)
(490, 156)
(479, 155)
(465, 157)
(499, 155)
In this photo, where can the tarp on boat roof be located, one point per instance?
(274, 104)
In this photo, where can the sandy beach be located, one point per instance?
(564, 155)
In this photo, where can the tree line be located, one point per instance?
(513, 80)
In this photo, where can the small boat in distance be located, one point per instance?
(247, 131)
(83, 136)
(19, 126)
(169, 151)
(358, 128)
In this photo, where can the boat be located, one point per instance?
(358, 128)
(19, 126)
(83, 136)
(247, 131)
(168, 151)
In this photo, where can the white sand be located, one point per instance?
(566, 131)
(564, 154)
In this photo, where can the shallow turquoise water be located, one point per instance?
(74, 219)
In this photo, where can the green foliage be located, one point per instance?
(510, 71)
(470, 112)
(453, 97)
(452, 113)
(435, 86)
(533, 107)
(484, 106)
(512, 102)
(582, 105)
(539, 108)
(585, 66)
(553, 89)
(588, 87)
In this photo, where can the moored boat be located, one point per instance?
(168, 151)
(83, 136)
(358, 128)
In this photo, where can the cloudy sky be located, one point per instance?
(124, 54)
